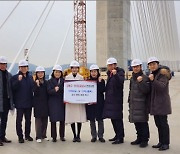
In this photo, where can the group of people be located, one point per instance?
(147, 95)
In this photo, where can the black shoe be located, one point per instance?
(157, 146)
(143, 144)
(113, 139)
(29, 138)
(54, 140)
(118, 141)
(74, 139)
(1, 143)
(21, 140)
(164, 147)
(5, 140)
(63, 139)
(102, 140)
(78, 139)
(136, 142)
(93, 140)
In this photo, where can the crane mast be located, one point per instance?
(80, 42)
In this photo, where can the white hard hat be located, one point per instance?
(136, 62)
(23, 63)
(152, 59)
(3, 60)
(40, 69)
(93, 67)
(57, 67)
(111, 61)
(74, 63)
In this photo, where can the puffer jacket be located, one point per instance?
(138, 98)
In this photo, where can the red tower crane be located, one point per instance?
(80, 43)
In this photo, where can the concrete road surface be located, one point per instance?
(86, 147)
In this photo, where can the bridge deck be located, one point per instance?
(86, 147)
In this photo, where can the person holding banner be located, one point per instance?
(75, 113)
(40, 104)
(56, 105)
(94, 111)
(113, 107)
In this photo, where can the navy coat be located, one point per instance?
(113, 106)
(22, 91)
(40, 100)
(55, 102)
(94, 111)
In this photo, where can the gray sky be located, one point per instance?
(47, 46)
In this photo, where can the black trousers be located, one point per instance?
(3, 122)
(142, 131)
(54, 129)
(118, 127)
(41, 127)
(100, 131)
(163, 128)
(19, 117)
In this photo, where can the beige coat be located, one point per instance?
(75, 112)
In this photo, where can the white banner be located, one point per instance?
(80, 92)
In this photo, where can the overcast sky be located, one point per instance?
(47, 46)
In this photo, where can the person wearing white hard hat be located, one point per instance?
(94, 111)
(40, 104)
(75, 113)
(3, 60)
(113, 107)
(56, 103)
(160, 104)
(74, 63)
(23, 63)
(139, 90)
(111, 61)
(152, 60)
(6, 100)
(22, 85)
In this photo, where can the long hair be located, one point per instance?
(36, 77)
(52, 74)
(98, 75)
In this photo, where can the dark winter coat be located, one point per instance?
(55, 102)
(9, 90)
(40, 100)
(138, 98)
(94, 111)
(113, 106)
(160, 103)
(22, 91)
